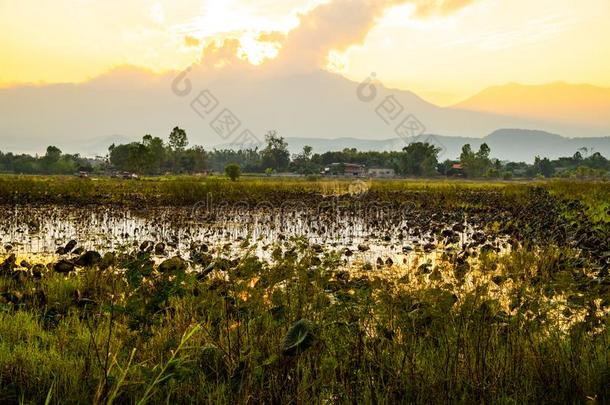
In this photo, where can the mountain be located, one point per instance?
(320, 145)
(580, 104)
(524, 145)
(134, 102)
(515, 145)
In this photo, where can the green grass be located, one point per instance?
(187, 190)
(379, 340)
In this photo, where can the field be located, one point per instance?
(266, 290)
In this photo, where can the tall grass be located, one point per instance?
(381, 339)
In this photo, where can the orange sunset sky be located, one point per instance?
(443, 50)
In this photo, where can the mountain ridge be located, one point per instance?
(558, 101)
(506, 144)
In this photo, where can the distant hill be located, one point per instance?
(318, 104)
(558, 102)
(506, 144)
(319, 145)
(525, 145)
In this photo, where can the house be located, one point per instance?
(354, 170)
(345, 169)
(381, 172)
(456, 170)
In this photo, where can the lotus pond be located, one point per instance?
(292, 291)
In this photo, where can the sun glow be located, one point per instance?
(256, 52)
(448, 56)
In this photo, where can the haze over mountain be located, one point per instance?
(506, 144)
(132, 102)
(559, 102)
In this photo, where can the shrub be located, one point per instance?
(233, 171)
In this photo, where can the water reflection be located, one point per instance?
(375, 237)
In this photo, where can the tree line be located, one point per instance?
(54, 161)
(154, 156)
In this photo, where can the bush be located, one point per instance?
(233, 171)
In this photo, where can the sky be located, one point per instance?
(443, 50)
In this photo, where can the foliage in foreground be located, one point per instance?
(530, 326)
(527, 327)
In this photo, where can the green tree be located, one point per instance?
(178, 140)
(544, 167)
(476, 164)
(597, 161)
(302, 162)
(483, 153)
(275, 155)
(233, 171)
(419, 159)
(194, 160)
(131, 157)
(177, 143)
(307, 152)
(50, 160)
(155, 154)
(53, 153)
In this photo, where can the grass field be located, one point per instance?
(514, 311)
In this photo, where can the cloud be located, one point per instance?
(333, 26)
(191, 41)
(330, 27)
(439, 7)
(221, 53)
